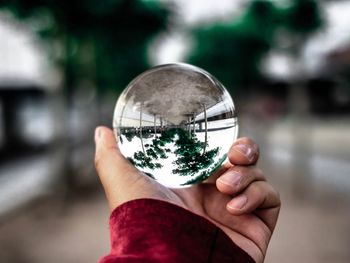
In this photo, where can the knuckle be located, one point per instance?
(259, 174)
(238, 169)
(276, 195)
(256, 189)
(249, 174)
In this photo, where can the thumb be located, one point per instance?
(116, 173)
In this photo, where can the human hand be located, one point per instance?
(236, 198)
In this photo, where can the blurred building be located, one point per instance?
(30, 161)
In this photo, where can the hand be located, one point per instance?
(241, 202)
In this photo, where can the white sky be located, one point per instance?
(335, 35)
(20, 58)
(198, 11)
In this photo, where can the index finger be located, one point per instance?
(244, 152)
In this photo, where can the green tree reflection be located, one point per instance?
(190, 158)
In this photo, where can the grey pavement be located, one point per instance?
(311, 174)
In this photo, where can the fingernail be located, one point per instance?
(231, 179)
(238, 202)
(247, 151)
(97, 134)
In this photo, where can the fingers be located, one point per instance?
(221, 170)
(237, 178)
(244, 152)
(115, 171)
(259, 194)
(251, 193)
(259, 197)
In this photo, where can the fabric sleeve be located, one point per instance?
(149, 230)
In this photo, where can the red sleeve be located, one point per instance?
(148, 230)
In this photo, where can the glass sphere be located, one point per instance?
(176, 123)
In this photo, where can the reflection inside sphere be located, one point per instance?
(175, 123)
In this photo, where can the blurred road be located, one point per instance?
(311, 173)
(55, 231)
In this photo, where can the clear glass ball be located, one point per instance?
(176, 123)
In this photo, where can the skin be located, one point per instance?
(236, 198)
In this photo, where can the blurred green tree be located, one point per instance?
(191, 158)
(103, 41)
(233, 51)
(303, 17)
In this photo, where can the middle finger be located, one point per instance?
(237, 178)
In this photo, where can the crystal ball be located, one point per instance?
(175, 123)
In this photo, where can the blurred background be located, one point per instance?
(63, 65)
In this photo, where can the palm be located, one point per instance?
(248, 231)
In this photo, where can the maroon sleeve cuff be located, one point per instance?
(149, 230)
